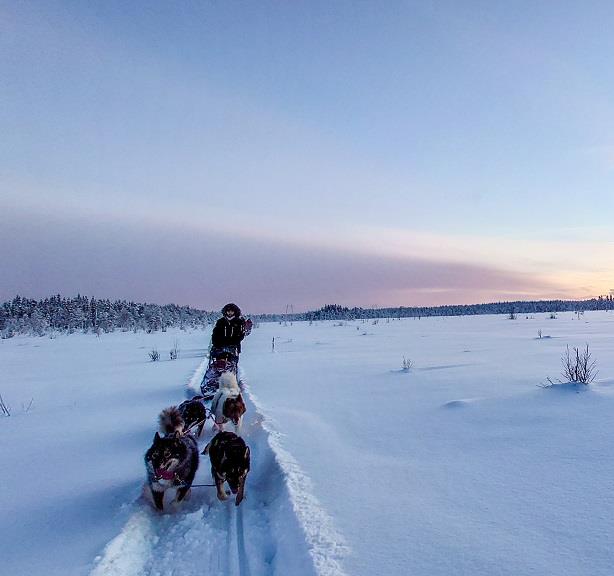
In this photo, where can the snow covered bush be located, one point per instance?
(154, 355)
(407, 364)
(174, 353)
(578, 366)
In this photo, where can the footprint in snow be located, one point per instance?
(462, 403)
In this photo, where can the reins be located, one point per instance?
(209, 415)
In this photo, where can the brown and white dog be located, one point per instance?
(228, 404)
(230, 462)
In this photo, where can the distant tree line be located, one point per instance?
(337, 312)
(83, 314)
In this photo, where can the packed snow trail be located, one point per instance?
(263, 536)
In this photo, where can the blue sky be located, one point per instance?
(365, 153)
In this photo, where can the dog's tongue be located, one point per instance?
(164, 474)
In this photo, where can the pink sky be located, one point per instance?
(360, 153)
(169, 263)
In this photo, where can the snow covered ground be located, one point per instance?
(462, 465)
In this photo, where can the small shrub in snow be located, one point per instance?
(174, 353)
(407, 364)
(154, 355)
(539, 334)
(578, 366)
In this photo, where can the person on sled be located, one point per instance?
(228, 333)
(230, 329)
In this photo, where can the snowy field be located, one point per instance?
(460, 466)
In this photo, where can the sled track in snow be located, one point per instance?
(269, 533)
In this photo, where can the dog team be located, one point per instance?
(172, 460)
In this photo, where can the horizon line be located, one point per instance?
(608, 297)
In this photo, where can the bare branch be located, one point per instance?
(407, 364)
(6, 410)
(579, 366)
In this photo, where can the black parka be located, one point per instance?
(229, 332)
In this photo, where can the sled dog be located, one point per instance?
(171, 462)
(171, 422)
(228, 403)
(194, 414)
(230, 462)
(220, 360)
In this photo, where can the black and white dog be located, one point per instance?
(172, 460)
(194, 415)
(230, 462)
(189, 416)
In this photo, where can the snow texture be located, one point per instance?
(461, 465)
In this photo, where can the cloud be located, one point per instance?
(46, 254)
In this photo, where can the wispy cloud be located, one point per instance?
(162, 263)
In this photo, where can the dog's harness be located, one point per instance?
(177, 482)
(214, 404)
(195, 424)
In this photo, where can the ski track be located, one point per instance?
(278, 529)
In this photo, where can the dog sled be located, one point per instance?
(223, 359)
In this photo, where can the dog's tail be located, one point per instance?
(170, 421)
(228, 381)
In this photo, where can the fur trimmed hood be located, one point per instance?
(232, 307)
